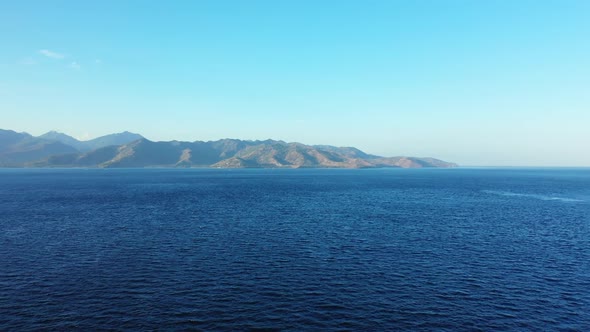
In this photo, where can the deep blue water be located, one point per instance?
(430, 249)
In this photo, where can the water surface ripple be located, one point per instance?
(329, 250)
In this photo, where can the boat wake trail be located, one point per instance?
(535, 196)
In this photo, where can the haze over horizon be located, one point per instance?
(476, 83)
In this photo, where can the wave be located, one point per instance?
(535, 196)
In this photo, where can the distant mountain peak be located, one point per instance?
(124, 133)
(92, 144)
(53, 132)
(127, 149)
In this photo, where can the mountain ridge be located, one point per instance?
(92, 144)
(51, 150)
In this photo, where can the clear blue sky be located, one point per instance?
(475, 82)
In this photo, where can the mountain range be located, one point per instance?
(126, 149)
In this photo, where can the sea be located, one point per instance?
(464, 249)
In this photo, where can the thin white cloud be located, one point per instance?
(51, 54)
(28, 61)
(75, 65)
(98, 61)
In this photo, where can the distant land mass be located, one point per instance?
(93, 144)
(126, 149)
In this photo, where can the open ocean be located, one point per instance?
(268, 249)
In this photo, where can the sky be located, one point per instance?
(480, 83)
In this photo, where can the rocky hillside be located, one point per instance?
(97, 143)
(19, 148)
(51, 150)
